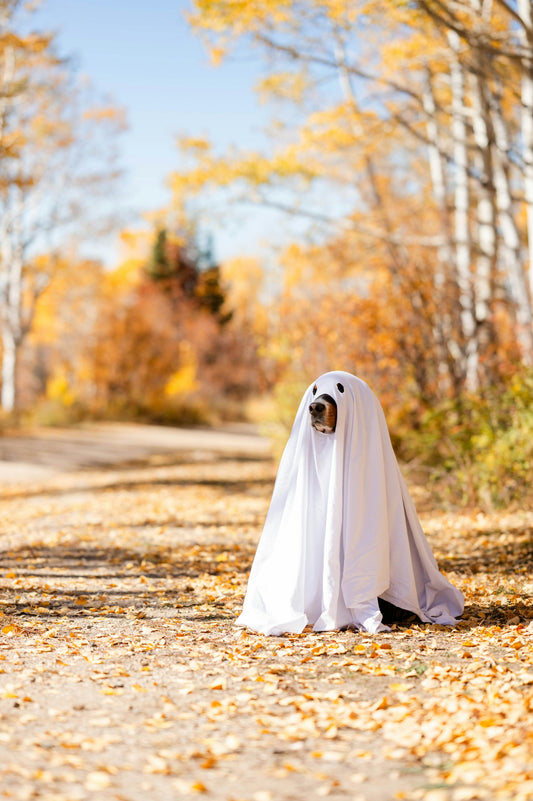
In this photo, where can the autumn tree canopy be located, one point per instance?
(56, 157)
(154, 339)
(419, 116)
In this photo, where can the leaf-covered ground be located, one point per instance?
(123, 677)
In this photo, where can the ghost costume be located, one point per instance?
(342, 530)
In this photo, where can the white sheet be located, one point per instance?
(342, 529)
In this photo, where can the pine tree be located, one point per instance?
(183, 271)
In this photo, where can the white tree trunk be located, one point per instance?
(9, 369)
(451, 353)
(11, 277)
(462, 233)
(486, 213)
(525, 9)
(438, 179)
(511, 255)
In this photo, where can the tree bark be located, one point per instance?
(525, 9)
(9, 369)
(11, 251)
(438, 179)
(511, 250)
(484, 281)
(449, 350)
(462, 232)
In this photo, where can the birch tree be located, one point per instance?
(56, 155)
(525, 10)
(461, 213)
(511, 246)
(493, 62)
(428, 83)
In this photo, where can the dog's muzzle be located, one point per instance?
(323, 411)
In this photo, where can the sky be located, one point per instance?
(145, 56)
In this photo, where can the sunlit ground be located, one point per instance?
(122, 673)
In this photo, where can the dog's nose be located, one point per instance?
(316, 407)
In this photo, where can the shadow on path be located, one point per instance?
(75, 581)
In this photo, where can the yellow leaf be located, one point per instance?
(183, 380)
(98, 780)
(157, 764)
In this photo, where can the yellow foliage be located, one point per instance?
(244, 278)
(58, 388)
(252, 167)
(125, 277)
(297, 267)
(216, 54)
(136, 242)
(376, 284)
(233, 18)
(283, 85)
(195, 145)
(106, 114)
(74, 285)
(44, 128)
(341, 12)
(184, 380)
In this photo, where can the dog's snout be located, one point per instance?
(323, 413)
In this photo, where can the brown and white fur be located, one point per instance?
(323, 411)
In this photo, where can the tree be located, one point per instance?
(66, 315)
(525, 20)
(184, 271)
(56, 157)
(164, 343)
(410, 101)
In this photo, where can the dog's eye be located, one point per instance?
(340, 387)
(314, 390)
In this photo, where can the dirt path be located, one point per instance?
(123, 563)
(46, 452)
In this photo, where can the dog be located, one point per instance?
(323, 411)
(323, 414)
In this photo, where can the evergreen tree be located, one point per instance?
(186, 271)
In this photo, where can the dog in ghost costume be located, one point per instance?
(342, 531)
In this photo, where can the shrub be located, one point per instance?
(479, 448)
